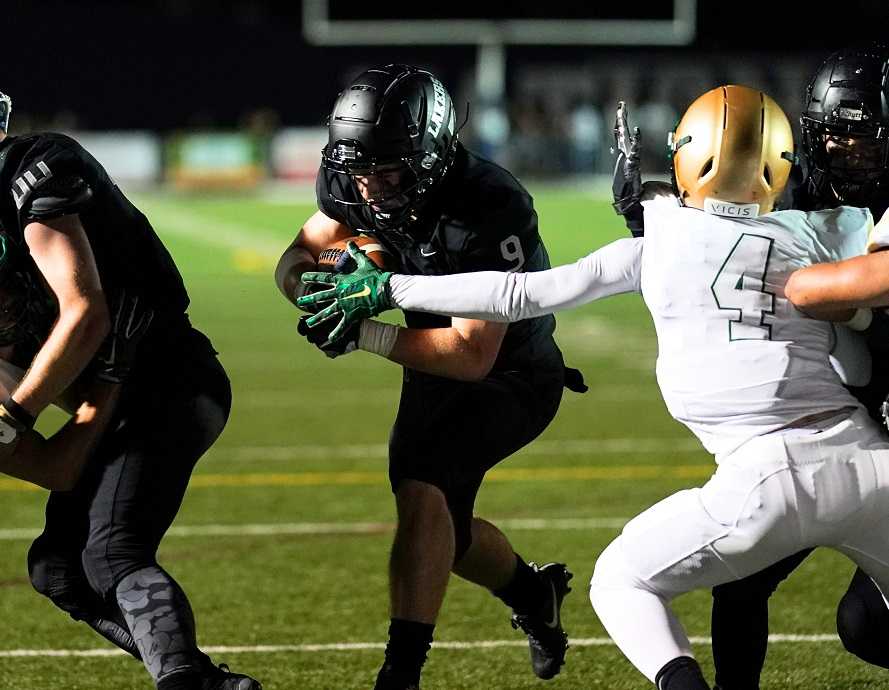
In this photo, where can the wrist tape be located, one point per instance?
(377, 337)
(15, 415)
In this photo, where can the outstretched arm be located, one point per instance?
(493, 296)
(862, 281)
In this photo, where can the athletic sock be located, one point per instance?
(682, 673)
(161, 622)
(525, 591)
(409, 641)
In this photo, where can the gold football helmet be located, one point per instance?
(732, 152)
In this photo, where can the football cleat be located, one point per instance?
(221, 678)
(547, 641)
(389, 680)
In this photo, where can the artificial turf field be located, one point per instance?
(283, 539)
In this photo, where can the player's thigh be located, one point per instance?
(147, 461)
(470, 426)
(735, 525)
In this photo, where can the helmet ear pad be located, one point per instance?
(734, 145)
(387, 116)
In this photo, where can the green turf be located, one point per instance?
(291, 589)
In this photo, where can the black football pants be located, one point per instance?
(740, 623)
(111, 524)
(450, 433)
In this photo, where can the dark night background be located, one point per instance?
(167, 64)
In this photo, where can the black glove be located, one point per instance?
(626, 183)
(129, 323)
(319, 336)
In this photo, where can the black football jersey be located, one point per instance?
(481, 219)
(45, 176)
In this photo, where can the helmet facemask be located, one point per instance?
(5, 112)
(849, 166)
(388, 193)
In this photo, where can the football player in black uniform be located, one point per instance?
(82, 246)
(473, 392)
(845, 129)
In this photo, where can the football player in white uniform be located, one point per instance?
(800, 463)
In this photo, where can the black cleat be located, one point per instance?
(221, 678)
(547, 642)
(389, 680)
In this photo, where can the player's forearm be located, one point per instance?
(825, 289)
(57, 462)
(442, 352)
(69, 450)
(71, 344)
(493, 296)
(295, 261)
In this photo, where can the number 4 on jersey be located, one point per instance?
(739, 288)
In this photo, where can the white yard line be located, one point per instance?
(170, 218)
(362, 646)
(315, 528)
(585, 446)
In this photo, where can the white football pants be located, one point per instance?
(774, 496)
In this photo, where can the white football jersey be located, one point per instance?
(879, 235)
(735, 358)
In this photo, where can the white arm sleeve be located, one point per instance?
(494, 296)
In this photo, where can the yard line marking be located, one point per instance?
(367, 478)
(364, 646)
(278, 399)
(170, 218)
(319, 528)
(583, 446)
(664, 446)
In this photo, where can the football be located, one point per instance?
(327, 260)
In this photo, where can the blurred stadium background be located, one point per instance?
(211, 115)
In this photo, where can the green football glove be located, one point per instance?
(353, 297)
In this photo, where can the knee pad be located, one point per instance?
(863, 622)
(105, 565)
(60, 579)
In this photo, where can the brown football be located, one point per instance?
(370, 245)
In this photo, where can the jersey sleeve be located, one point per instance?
(492, 296)
(840, 233)
(53, 179)
(878, 239)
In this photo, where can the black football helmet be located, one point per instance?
(391, 140)
(845, 127)
(5, 110)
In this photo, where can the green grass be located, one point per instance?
(288, 589)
